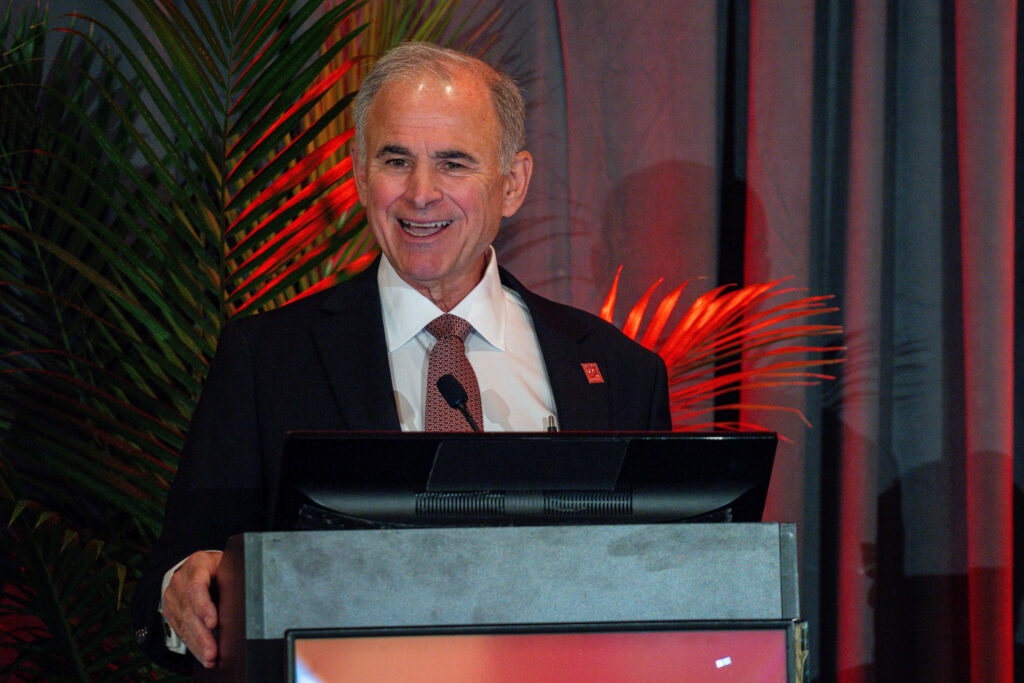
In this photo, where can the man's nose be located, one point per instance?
(424, 188)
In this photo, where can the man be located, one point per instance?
(438, 162)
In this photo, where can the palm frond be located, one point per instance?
(729, 340)
(58, 616)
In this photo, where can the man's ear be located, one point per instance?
(517, 181)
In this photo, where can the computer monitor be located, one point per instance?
(336, 480)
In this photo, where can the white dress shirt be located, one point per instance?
(502, 347)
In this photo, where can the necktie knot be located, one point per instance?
(449, 325)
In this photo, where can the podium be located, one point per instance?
(711, 576)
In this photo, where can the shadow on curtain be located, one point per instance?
(868, 150)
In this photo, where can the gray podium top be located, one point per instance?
(513, 575)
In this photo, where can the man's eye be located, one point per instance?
(452, 165)
(395, 163)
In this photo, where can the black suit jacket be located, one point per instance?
(321, 363)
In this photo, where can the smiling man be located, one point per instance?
(439, 160)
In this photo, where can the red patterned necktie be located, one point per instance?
(449, 357)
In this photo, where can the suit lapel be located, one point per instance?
(581, 405)
(349, 337)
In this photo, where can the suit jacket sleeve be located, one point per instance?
(273, 372)
(213, 497)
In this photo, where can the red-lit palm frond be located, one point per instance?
(732, 339)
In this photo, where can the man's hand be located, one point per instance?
(188, 607)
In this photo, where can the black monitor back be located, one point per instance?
(332, 480)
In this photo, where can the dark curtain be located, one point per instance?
(868, 150)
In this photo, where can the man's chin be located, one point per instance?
(435, 278)
(423, 276)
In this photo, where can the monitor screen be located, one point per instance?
(336, 480)
(662, 653)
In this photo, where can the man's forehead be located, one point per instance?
(408, 102)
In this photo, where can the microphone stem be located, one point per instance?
(469, 418)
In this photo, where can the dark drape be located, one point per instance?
(867, 149)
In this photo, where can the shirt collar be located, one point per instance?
(406, 311)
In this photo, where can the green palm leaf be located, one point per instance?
(64, 596)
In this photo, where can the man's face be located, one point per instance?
(432, 183)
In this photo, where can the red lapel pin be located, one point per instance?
(593, 373)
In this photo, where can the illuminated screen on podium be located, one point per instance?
(655, 653)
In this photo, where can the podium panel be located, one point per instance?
(720, 576)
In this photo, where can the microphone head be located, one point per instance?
(452, 390)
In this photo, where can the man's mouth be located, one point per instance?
(424, 228)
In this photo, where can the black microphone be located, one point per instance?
(455, 394)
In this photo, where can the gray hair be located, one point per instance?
(409, 59)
